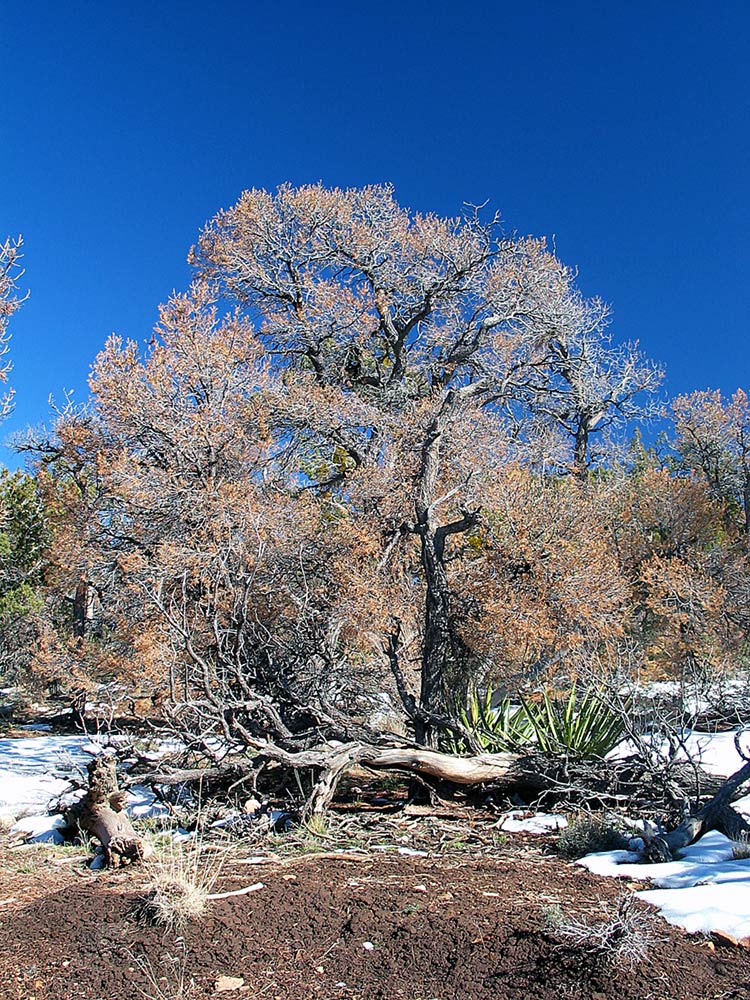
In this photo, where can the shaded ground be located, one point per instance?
(440, 928)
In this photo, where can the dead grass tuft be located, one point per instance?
(624, 937)
(180, 889)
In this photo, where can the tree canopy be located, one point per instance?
(370, 461)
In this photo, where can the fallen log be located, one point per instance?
(630, 783)
(716, 814)
(100, 814)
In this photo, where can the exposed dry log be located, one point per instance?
(625, 782)
(100, 813)
(630, 783)
(218, 775)
(716, 814)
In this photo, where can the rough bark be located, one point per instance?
(716, 814)
(437, 642)
(627, 783)
(441, 650)
(100, 813)
(80, 609)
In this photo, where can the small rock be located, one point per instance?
(723, 938)
(226, 983)
(368, 945)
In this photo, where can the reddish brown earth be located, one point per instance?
(442, 928)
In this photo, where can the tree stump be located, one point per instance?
(100, 813)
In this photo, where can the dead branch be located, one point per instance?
(716, 814)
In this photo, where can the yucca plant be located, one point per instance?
(494, 728)
(581, 724)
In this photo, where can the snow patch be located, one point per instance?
(517, 821)
(715, 752)
(36, 771)
(705, 889)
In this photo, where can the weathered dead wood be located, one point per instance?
(191, 775)
(624, 782)
(100, 813)
(716, 814)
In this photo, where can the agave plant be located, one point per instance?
(495, 728)
(581, 724)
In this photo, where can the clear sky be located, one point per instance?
(623, 129)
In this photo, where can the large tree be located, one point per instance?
(291, 497)
(713, 440)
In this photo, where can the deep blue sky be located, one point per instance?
(622, 129)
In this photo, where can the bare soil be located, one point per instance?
(380, 927)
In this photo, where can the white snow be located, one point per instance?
(715, 752)
(706, 889)
(705, 908)
(36, 771)
(41, 829)
(517, 821)
(142, 803)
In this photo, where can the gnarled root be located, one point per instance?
(100, 813)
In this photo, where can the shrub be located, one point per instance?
(589, 835)
(180, 890)
(581, 724)
(493, 728)
(170, 979)
(741, 848)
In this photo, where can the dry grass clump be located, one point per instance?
(180, 890)
(171, 902)
(741, 848)
(589, 835)
(169, 980)
(624, 937)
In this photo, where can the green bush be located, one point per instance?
(582, 724)
(589, 835)
(494, 729)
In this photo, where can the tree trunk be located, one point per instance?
(581, 449)
(436, 649)
(100, 814)
(80, 609)
(440, 650)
